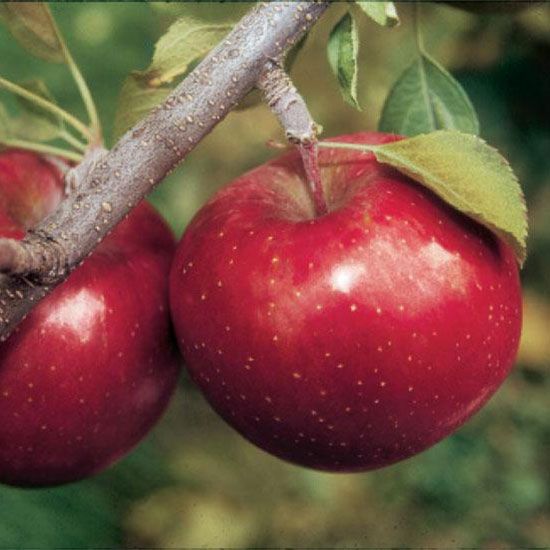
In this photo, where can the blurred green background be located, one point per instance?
(196, 483)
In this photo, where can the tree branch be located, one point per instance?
(107, 185)
(287, 104)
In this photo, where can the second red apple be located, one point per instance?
(87, 374)
(349, 341)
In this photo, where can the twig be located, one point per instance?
(290, 108)
(287, 104)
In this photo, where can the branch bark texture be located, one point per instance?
(108, 184)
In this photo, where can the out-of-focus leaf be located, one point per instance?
(342, 52)
(60, 518)
(383, 13)
(188, 519)
(186, 41)
(135, 101)
(36, 123)
(535, 346)
(214, 12)
(469, 175)
(426, 98)
(32, 25)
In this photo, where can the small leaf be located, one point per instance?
(427, 98)
(32, 25)
(186, 41)
(213, 12)
(135, 101)
(342, 52)
(469, 175)
(381, 12)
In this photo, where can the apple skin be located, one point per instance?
(87, 374)
(30, 189)
(350, 341)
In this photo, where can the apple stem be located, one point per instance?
(310, 158)
(290, 108)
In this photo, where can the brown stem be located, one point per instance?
(106, 186)
(290, 108)
(310, 158)
(287, 104)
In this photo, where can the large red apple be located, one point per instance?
(91, 369)
(352, 340)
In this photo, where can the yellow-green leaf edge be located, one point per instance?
(508, 220)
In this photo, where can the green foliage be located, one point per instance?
(228, 12)
(383, 13)
(33, 27)
(469, 175)
(342, 52)
(426, 98)
(186, 41)
(35, 123)
(58, 518)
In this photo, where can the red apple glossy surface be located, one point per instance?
(90, 370)
(350, 341)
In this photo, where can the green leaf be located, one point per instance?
(213, 12)
(469, 175)
(427, 98)
(32, 25)
(342, 52)
(135, 101)
(186, 41)
(381, 12)
(36, 123)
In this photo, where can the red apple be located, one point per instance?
(87, 374)
(349, 341)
